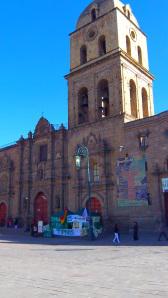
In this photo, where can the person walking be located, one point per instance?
(135, 231)
(162, 231)
(116, 234)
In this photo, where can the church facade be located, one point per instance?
(111, 113)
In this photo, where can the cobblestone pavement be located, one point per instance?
(37, 267)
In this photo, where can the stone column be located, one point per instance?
(21, 173)
(30, 180)
(52, 172)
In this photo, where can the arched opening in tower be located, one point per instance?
(128, 45)
(133, 99)
(102, 45)
(139, 55)
(103, 99)
(83, 106)
(145, 103)
(83, 54)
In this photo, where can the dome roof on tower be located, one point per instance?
(102, 7)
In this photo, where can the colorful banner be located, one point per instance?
(131, 181)
(70, 232)
(63, 217)
(165, 184)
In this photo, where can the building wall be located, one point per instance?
(9, 183)
(106, 26)
(108, 69)
(30, 176)
(119, 144)
(142, 80)
(155, 129)
(125, 28)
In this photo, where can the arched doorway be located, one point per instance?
(94, 205)
(41, 208)
(3, 214)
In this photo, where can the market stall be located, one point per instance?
(66, 223)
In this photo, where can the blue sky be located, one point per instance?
(34, 57)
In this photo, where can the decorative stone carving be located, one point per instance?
(4, 163)
(43, 127)
(91, 33)
(3, 184)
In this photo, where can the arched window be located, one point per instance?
(145, 103)
(128, 45)
(139, 55)
(93, 14)
(103, 99)
(95, 176)
(83, 54)
(102, 45)
(133, 99)
(128, 14)
(83, 106)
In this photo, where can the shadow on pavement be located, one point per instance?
(20, 237)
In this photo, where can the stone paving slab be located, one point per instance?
(67, 268)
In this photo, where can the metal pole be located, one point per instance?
(89, 197)
(84, 152)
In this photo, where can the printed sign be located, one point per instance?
(67, 232)
(78, 218)
(131, 203)
(131, 181)
(40, 226)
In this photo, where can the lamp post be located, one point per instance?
(82, 151)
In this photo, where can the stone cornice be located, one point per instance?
(112, 54)
(148, 120)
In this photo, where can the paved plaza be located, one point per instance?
(61, 267)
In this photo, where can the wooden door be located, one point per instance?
(95, 206)
(41, 208)
(3, 214)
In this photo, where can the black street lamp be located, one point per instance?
(82, 151)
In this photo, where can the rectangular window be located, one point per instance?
(43, 153)
(96, 177)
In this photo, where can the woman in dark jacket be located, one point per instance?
(135, 231)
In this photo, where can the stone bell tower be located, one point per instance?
(109, 73)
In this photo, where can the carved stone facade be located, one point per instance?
(25, 173)
(111, 112)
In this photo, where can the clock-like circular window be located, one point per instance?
(133, 34)
(91, 33)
